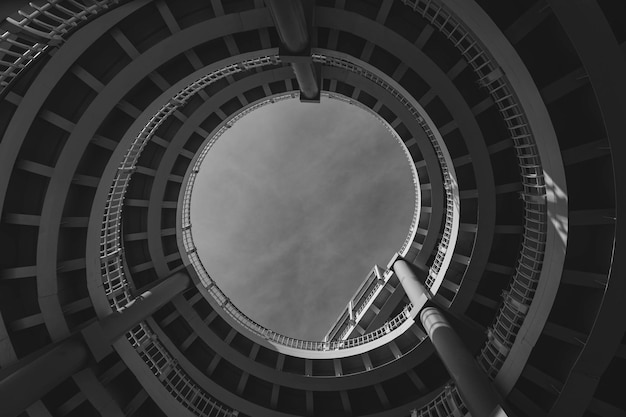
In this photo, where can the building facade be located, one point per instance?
(511, 113)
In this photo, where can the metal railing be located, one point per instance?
(413, 226)
(446, 404)
(344, 323)
(351, 315)
(49, 22)
(516, 301)
(39, 28)
(515, 305)
(116, 285)
(222, 299)
(270, 335)
(534, 190)
(117, 288)
(175, 380)
(435, 270)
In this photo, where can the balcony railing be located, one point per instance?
(413, 227)
(446, 404)
(116, 285)
(45, 26)
(435, 272)
(223, 300)
(516, 301)
(40, 27)
(172, 376)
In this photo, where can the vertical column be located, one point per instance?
(293, 31)
(474, 387)
(413, 287)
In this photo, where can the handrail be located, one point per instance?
(42, 27)
(165, 367)
(115, 283)
(522, 139)
(223, 300)
(503, 331)
(117, 289)
(327, 59)
(360, 304)
(447, 403)
(413, 226)
(22, 52)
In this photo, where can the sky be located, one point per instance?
(294, 205)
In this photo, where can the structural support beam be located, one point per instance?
(100, 335)
(30, 380)
(413, 286)
(292, 28)
(474, 387)
(38, 376)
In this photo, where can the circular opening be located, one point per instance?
(294, 205)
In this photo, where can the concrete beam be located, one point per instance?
(293, 30)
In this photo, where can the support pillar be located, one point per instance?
(478, 395)
(416, 291)
(118, 323)
(35, 377)
(293, 31)
(474, 387)
(100, 335)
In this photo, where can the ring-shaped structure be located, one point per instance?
(481, 89)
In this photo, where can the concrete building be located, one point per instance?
(508, 298)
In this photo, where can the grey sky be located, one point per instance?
(294, 205)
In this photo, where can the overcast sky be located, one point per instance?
(294, 205)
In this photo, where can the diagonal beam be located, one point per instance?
(26, 381)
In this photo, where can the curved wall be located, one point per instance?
(533, 282)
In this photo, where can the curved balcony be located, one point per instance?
(533, 270)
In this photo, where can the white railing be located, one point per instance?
(335, 61)
(413, 226)
(221, 298)
(214, 290)
(254, 327)
(115, 283)
(516, 301)
(40, 27)
(446, 404)
(55, 18)
(504, 330)
(117, 289)
(172, 376)
(369, 290)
